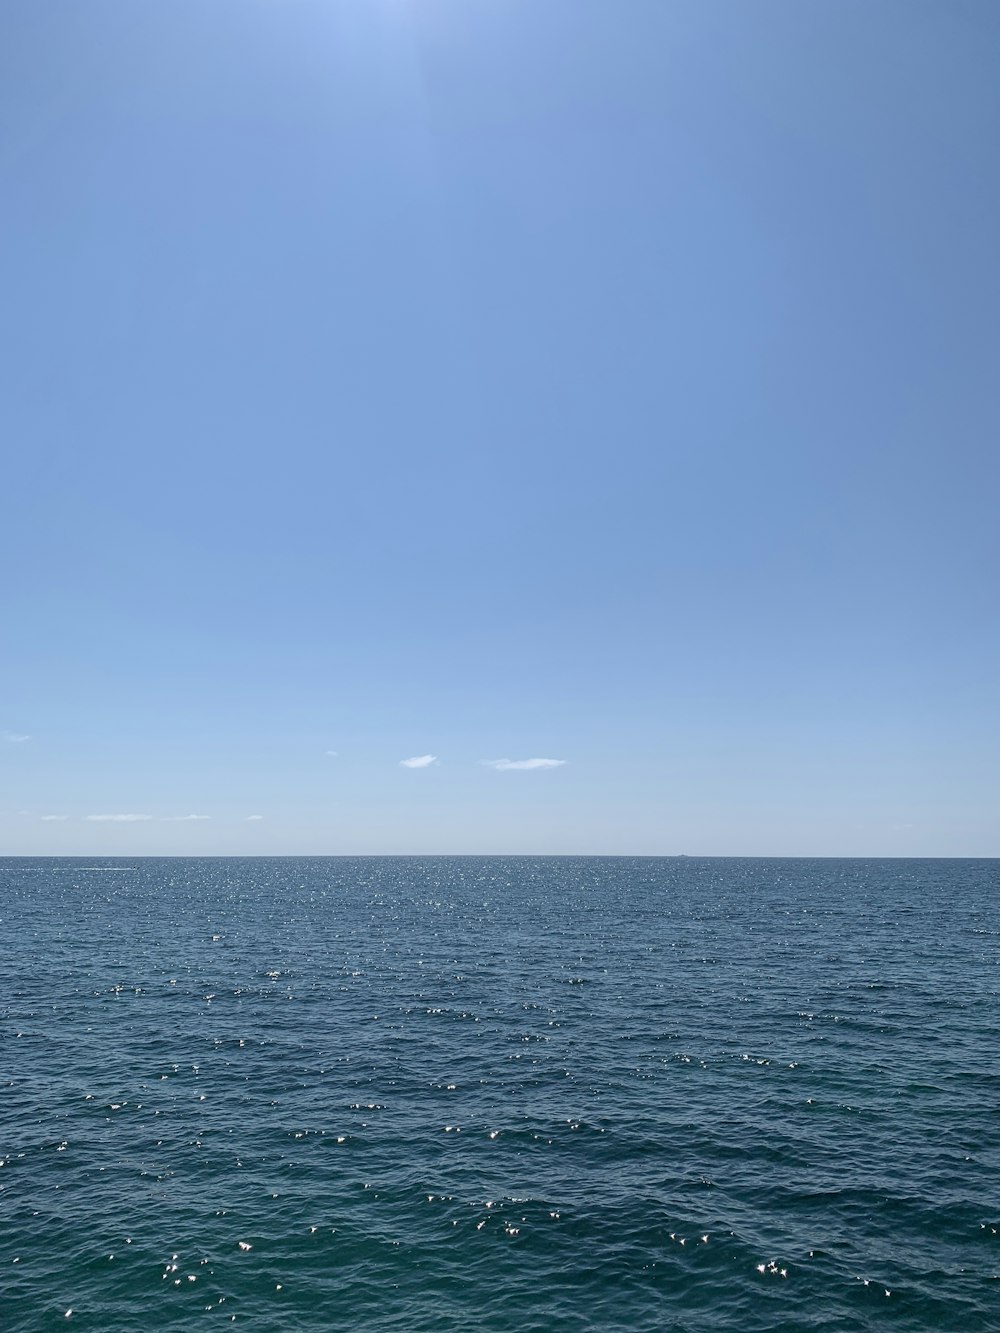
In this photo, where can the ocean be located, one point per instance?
(500, 1093)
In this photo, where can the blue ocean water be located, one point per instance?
(500, 1094)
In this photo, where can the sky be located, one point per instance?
(500, 427)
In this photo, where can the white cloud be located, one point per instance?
(182, 819)
(50, 818)
(14, 737)
(504, 765)
(419, 761)
(331, 753)
(250, 819)
(118, 819)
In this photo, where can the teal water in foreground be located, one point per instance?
(500, 1094)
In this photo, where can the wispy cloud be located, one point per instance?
(118, 819)
(14, 737)
(332, 754)
(504, 765)
(419, 761)
(54, 818)
(182, 819)
(252, 819)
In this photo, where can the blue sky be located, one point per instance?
(611, 384)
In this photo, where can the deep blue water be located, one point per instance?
(500, 1094)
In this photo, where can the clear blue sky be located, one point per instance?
(597, 382)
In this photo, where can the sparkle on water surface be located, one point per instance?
(500, 1093)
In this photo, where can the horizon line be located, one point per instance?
(487, 856)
